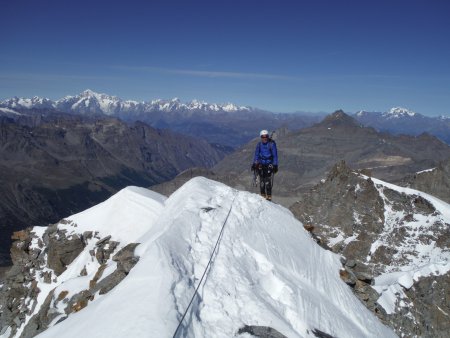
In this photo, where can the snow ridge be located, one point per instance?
(267, 270)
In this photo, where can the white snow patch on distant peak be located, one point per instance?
(397, 112)
(426, 171)
(9, 111)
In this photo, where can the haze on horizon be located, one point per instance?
(280, 56)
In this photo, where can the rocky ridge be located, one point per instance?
(435, 181)
(39, 290)
(395, 245)
(307, 154)
(39, 259)
(70, 266)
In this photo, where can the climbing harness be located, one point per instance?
(219, 238)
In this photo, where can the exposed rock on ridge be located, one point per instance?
(39, 260)
(387, 237)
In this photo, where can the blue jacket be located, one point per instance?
(266, 153)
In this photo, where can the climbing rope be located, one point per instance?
(219, 238)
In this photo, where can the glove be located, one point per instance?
(275, 168)
(253, 167)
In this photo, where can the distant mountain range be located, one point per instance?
(403, 121)
(226, 124)
(90, 102)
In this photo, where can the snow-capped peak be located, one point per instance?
(397, 112)
(27, 103)
(90, 101)
(89, 93)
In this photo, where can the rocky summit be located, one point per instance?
(395, 244)
(306, 155)
(55, 165)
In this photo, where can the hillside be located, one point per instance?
(58, 164)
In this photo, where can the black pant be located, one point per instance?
(265, 179)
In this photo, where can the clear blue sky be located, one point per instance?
(281, 56)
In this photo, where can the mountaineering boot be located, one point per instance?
(264, 196)
(269, 197)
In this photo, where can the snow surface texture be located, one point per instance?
(422, 259)
(267, 270)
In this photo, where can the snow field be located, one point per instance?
(267, 271)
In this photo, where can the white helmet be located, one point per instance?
(264, 132)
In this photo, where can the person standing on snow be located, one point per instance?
(265, 162)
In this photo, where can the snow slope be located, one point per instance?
(420, 258)
(267, 270)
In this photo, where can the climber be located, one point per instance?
(265, 163)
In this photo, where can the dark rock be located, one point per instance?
(125, 262)
(321, 334)
(351, 263)
(348, 277)
(62, 251)
(103, 240)
(261, 331)
(125, 258)
(83, 272)
(79, 301)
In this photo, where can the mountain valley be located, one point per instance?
(57, 164)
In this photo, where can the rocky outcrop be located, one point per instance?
(34, 294)
(435, 181)
(395, 247)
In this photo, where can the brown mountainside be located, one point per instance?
(57, 165)
(435, 181)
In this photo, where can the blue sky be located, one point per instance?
(282, 56)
